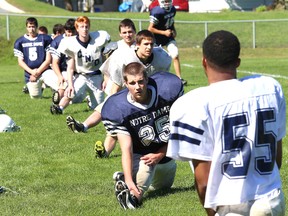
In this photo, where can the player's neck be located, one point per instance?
(220, 76)
(84, 39)
(147, 99)
(32, 35)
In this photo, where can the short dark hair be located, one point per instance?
(126, 23)
(134, 68)
(43, 29)
(70, 25)
(32, 20)
(58, 28)
(221, 48)
(144, 34)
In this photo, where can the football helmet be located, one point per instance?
(7, 124)
(166, 4)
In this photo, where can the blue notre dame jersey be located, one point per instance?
(53, 50)
(147, 125)
(32, 50)
(162, 20)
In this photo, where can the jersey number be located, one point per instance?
(237, 145)
(148, 134)
(33, 53)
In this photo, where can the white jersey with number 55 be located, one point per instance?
(235, 124)
(88, 56)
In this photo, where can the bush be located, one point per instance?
(261, 8)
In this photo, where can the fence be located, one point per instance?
(251, 33)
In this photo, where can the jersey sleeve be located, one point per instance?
(113, 121)
(54, 47)
(64, 46)
(18, 51)
(187, 129)
(154, 15)
(281, 111)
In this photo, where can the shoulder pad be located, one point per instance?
(110, 48)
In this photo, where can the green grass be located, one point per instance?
(50, 171)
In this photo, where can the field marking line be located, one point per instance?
(249, 72)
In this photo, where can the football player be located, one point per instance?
(141, 124)
(85, 58)
(59, 61)
(232, 131)
(32, 53)
(162, 25)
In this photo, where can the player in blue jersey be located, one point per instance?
(85, 58)
(141, 124)
(232, 131)
(31, 51)
(162, 25)
(59, 60)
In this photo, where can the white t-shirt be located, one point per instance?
(161, 61)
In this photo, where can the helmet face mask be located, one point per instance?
(166, 4)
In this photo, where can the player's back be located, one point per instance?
(244, 119)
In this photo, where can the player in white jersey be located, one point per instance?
(232, 131)
(85, 58)
(153, 58)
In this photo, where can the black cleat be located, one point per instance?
(74, 125)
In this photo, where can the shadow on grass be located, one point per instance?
(166, 191)
(9, 82)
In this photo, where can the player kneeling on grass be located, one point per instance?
(84, 52)
(141, 124)
(31, 50)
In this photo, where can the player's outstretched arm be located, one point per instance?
(69, 92)
(125, 142)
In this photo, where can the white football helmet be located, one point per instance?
(7, 124)
(166, 4)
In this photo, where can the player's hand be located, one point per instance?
(69, 92)
(151, 159)
(32, 78)
(168, 33)
(132, 187)
(61, 80)
(37, 73)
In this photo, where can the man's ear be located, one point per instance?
(204, 62)
(238, 63)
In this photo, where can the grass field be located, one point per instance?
(48, 170)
